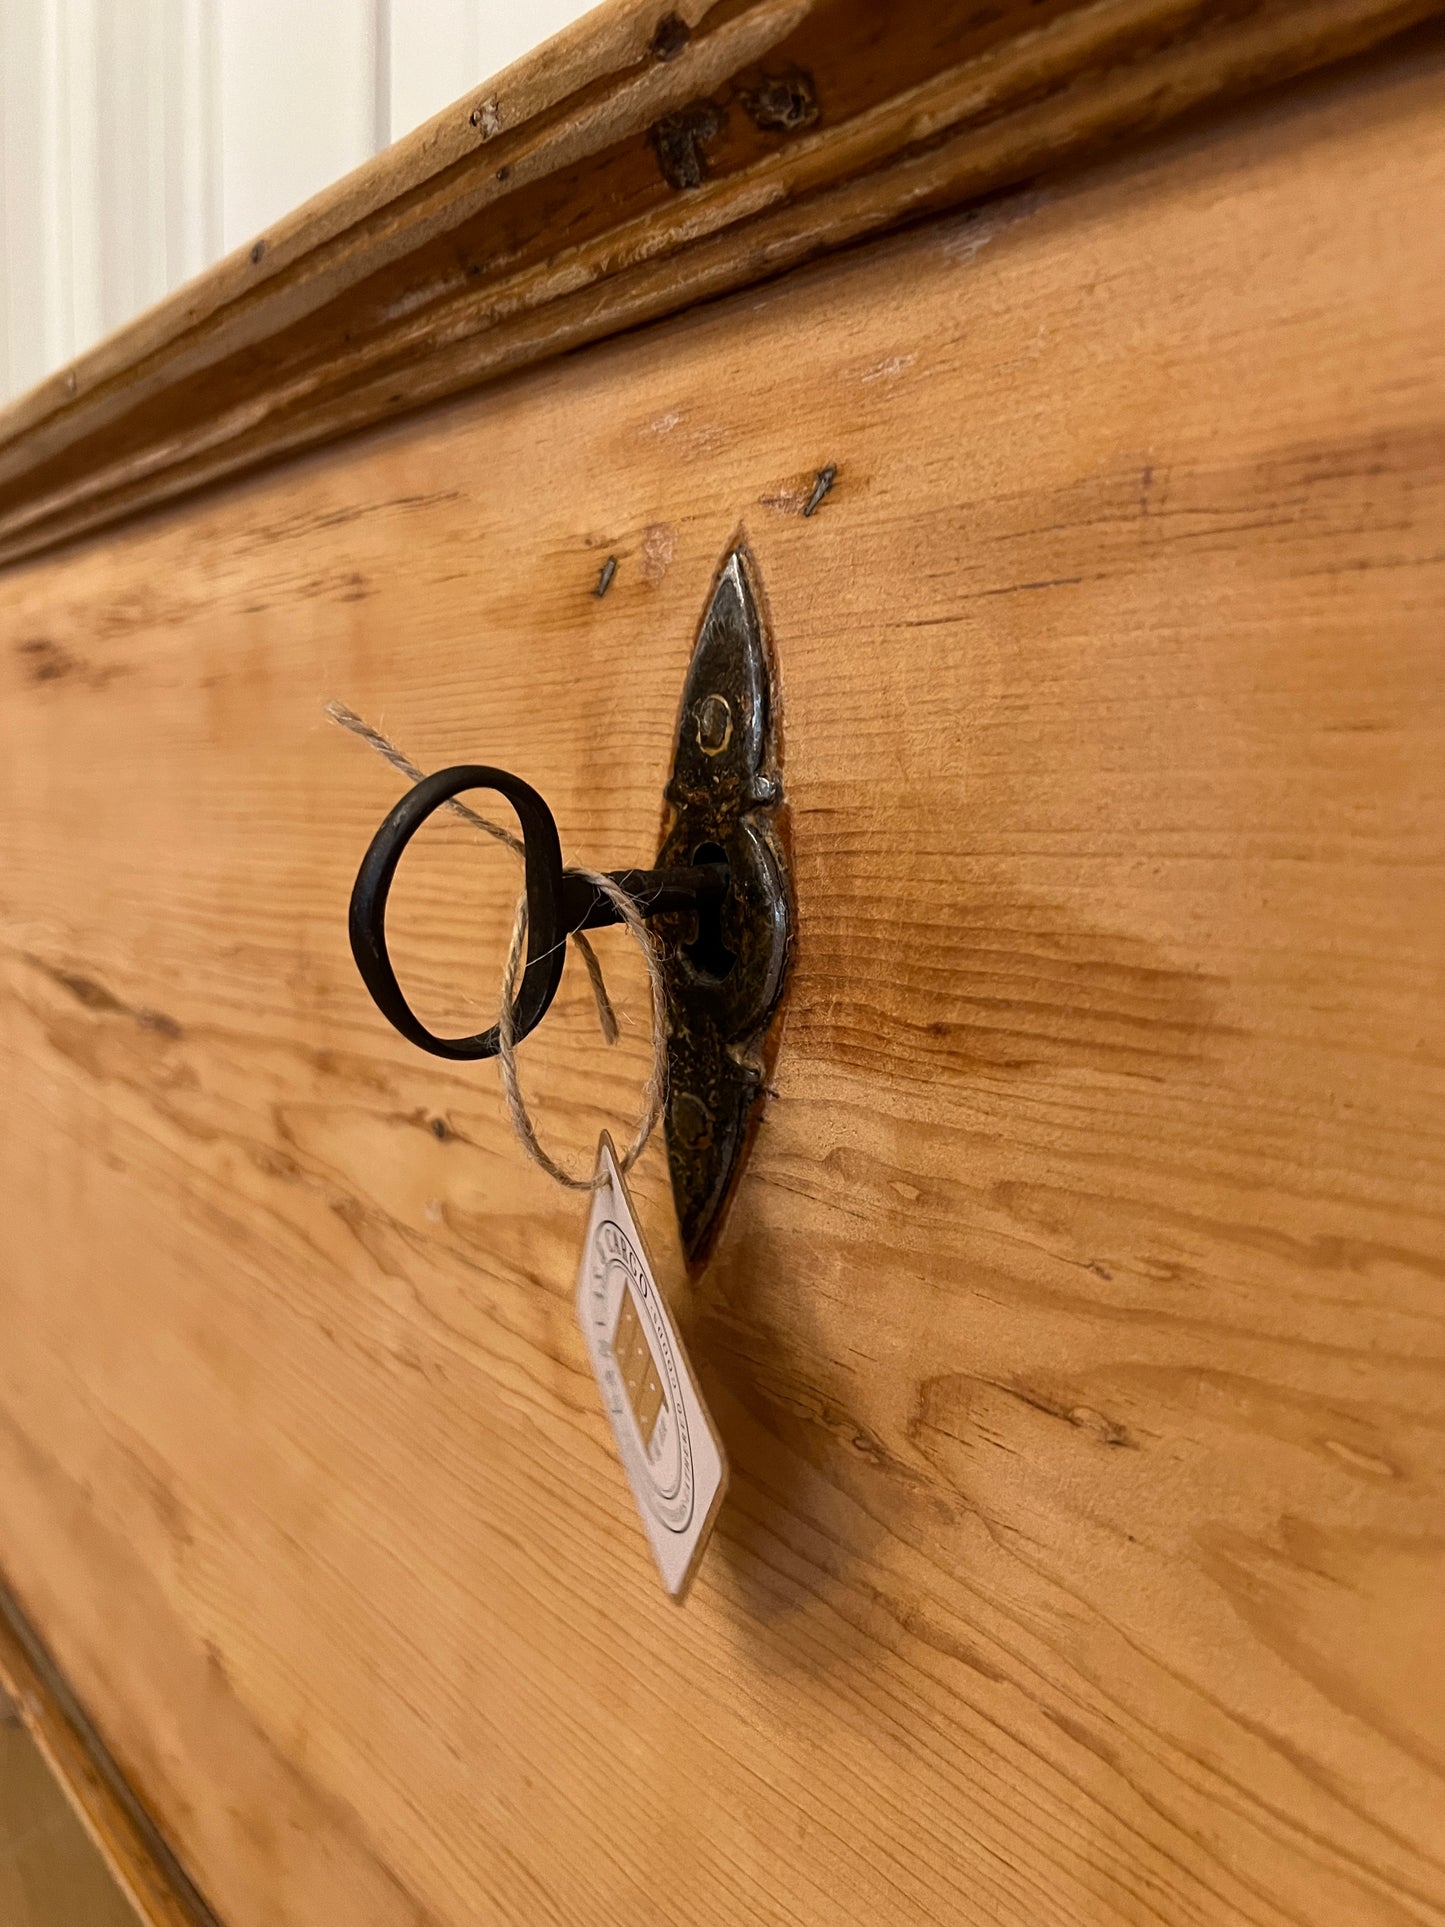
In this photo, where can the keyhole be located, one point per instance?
(708, 953)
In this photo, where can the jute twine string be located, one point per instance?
(654, 1096)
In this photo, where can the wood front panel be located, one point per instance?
(1076, 1334)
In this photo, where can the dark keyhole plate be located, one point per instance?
(725, 963)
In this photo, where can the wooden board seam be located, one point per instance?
(133, 1847)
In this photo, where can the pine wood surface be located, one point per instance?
(651, 156)
(1076, 1333)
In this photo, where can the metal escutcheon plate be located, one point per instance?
(724, 965)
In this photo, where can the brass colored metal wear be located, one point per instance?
(724, 960)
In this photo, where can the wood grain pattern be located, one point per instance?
(1076, 1335)
(645, 160)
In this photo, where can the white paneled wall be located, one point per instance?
(108, 168)
(300, 102)
(433, 41)
(139, 139)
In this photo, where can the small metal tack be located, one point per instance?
(822, 482)
(604, 580)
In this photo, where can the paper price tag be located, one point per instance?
(670, 1450)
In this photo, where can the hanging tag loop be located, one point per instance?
(654, 1099)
